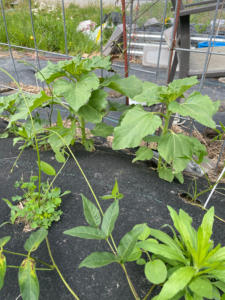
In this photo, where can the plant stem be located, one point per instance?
(38, 269)
(35, 137)
(149, 292)
(64, 281)
(82, 126)
(165, 128)
(130, 283)
(24, 146)
(14, 253)
(149, 257)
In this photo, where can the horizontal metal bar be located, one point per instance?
(33, 49)
(9, 87)
(199, 3)
(197, 51)
(115, 65)
(198, 10)
(193, 38)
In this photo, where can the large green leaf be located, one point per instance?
(85, 232)
(166, 174)
(179, 86)
(51, 72)
(162, 250)
(47, 169)
(116, 106)
(97, 62)
(128, 242)
(29, 286)
(136, 124)
(156, 271)
(199, 107)
(143, 153)
(57, 133)
(98, 259)
(166, 239)
(172, 147)
(93, 110)
(2, 269)
(91, 213)
(202, 287)
(35, 239)
(4, 240)
(102, 129)
(176, 282)
(218, 256)
(150, 95)
(110, 218)
(145, 234)
(76, 93)
(129, 87)
(152, 138)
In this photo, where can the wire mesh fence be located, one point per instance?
(145, 23)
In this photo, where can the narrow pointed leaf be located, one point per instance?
(136, 124)
(59, 119)
(161, 249)
(2, 269)
(176, 283)
(85, 232)
(128, 242)
(91, 213)
(110, 218)
(47, 169)
(29, 286)
(220, 285)
(4, 240)
(98, 259)
(35, 239)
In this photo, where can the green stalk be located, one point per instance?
(99, 206)
(14, 253)
(130, 283)
(35, 137)
(149, 292)
(82, 126)
(64, 281)
(165, 129)
(36, 269)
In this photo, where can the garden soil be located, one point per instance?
(145, 200)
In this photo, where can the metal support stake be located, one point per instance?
(207, 57)
(35, 44)
(212, 191)
(101, 33)
(125, 43)
(131, 17)
(10, 50)
(221, 152)
(64, 24)
(160, 45)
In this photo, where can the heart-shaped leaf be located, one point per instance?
(156, 271)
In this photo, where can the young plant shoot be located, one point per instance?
(175, 149)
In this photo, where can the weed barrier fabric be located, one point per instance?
(145, 200)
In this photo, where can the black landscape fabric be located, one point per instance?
(145, 200)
